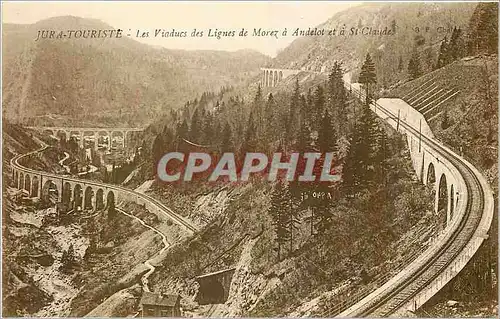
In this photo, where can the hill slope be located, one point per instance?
(106, 80)
(318, 53)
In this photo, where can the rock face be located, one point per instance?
(119, 304)
(246, 288)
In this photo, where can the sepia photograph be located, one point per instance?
(297, 159)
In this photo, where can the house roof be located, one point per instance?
(151, 298)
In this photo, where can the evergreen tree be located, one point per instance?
(326, 135)
(250, 138)
(367, 77)
(483, 29)
(445, 123)
(380, 159)
(337, 95)
(456, 45)
(272, 128)
(400, 64)
(208, 132)
(68, 259)
(182, 130)
(227, 144)
(158, 150)
(359, 167)
(414, 69)
(304, 140)
(279, 217)
(443, 56)
(291, 212)
(258, 106)
(292, 116)
(319, 105)
(196, 127)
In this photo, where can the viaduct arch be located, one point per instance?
(461, 192)
(96, 195)
(82, 133)
(271, 77)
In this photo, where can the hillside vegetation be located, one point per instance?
(106, 81)
(415, 26)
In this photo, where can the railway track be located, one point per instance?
(14, 162)
(438, 259)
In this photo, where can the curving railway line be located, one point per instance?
(465, 234)
(429, 272)
(131, 194)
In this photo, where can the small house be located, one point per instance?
(160, 305)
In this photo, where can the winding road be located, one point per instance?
(167, 211)
(147, 263)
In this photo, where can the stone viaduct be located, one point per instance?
(462, 197)
(271, 77)
(431, 167)
(82, 193)
(67, 132)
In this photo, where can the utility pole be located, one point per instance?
(397, 126)
(420, 136)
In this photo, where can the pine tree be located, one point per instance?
(400, 64)
(250, 138)
(318, 106)
(483, 29)
(414, 69)
(227, 144)
(279, 216)
(258, 107)
(367, 77)
(380, 158)
(157, 150)
(291, 214)
(326, 135)
(337, 95)
(445, 123)
(304, 140)
(359, 167)
(272, 128)
(456, 45)
(208, 132)
(443, 56)
(292, 116)
(196, 127)
(68, 259)
(182, 130)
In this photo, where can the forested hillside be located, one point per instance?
(106, 81)
(415, 27)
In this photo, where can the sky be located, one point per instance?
(184, 15)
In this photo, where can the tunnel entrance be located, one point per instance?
(214, 287)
